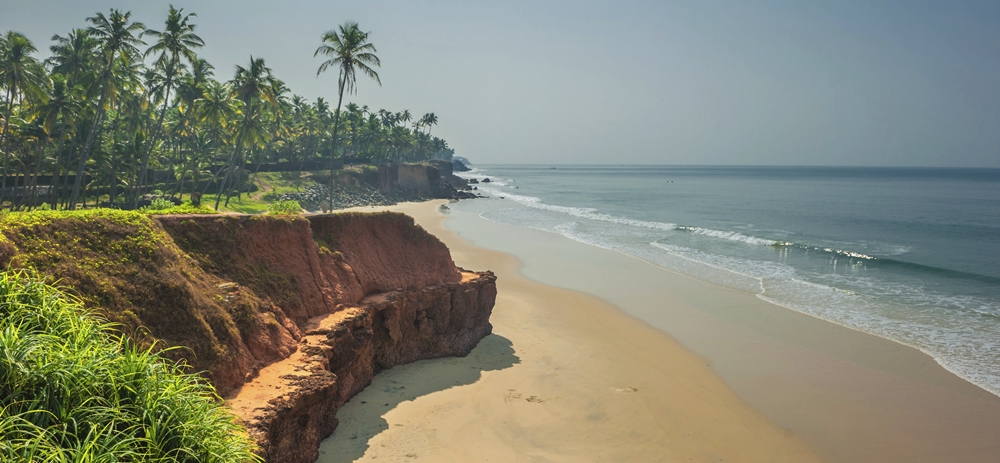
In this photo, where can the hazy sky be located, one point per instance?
(838, 82)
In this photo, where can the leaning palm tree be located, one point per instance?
(177, 41)
(348, 51)
(251, 85)
(115, 35)
(428, 120)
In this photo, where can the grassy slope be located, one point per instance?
(72, 391)
(130, 270)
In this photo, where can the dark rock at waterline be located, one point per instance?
(458, 166)
(315, 197)
(486, 180)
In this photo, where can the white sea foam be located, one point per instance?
(581, 212)
(734, 236)
(957, 331)
(590, 213)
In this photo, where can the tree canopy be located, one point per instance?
(120, 110)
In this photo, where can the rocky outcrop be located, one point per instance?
(383, 185)
(432, 178)
(459, 166)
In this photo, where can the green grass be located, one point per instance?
(70, 391)
(274, 184)
(185, 208)
(245, 205)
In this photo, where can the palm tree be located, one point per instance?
(74, 56)
(177, 41)
(115, 35)
(428, 120)
(64, 103)
(404, 117)
(21, 74)
(348, 51)
(251, 85)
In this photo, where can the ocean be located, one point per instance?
(907, 254)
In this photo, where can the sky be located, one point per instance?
(750, 82)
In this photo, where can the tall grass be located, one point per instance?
(284, 207)
(70, 391)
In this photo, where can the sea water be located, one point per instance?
(908, 254)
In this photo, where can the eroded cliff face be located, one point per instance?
(316, 305)
(341, 353)
(368, 291)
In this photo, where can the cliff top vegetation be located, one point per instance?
(72, 390)
(121, 109)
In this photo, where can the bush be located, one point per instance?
(284, 207)
(159, 204)
(186, 208)
(73, 392)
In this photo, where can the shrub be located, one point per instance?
(284, 207)
(186, 208)
(74, 392)
(159, 204)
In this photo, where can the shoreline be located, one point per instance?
(566, 376)
(850, 395)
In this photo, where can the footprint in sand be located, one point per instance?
(512, 396)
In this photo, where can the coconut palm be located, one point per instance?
(64, 104)
(21, 74)
(348, 51)
(404, 117)
(428, 120)
(176, 41)
(252, 85)
(115, 34)
(75, 57)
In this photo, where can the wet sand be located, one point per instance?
(572, 374)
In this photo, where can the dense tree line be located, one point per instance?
(117, 102)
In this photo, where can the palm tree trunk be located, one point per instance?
(229, 169)
(111, 165)
(6, 154)
(34, 176)
(53, 195)
(336, 126)
(98, 120)
(63, 179)
(153, 140)
(260, 161)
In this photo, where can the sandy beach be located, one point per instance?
(564, 377)
(597, 356)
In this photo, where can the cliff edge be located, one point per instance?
(315, 305)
